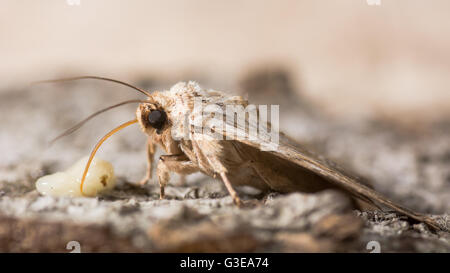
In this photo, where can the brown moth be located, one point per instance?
(183, 121)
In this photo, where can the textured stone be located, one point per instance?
(409, 167)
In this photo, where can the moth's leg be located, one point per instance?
(173, 163)
(150, 158)
(204, 152)
(182, 181)
(230, 189)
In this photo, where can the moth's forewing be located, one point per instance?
(305, 160)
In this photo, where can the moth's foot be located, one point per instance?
(143, 181)
(249, 204)
(237, 201)
(162, 194)
(146, 178)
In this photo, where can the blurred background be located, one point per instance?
(351, 58)
(366, 85)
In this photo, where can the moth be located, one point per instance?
(197, 139)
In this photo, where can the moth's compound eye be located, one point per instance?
(156, 118)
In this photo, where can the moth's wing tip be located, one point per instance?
(436, 225)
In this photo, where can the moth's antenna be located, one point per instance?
(82, 122)
(95, 78)
(91, 156)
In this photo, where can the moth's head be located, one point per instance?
(152, 118)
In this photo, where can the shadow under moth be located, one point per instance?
(198, 133)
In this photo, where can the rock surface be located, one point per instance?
(409, 166)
